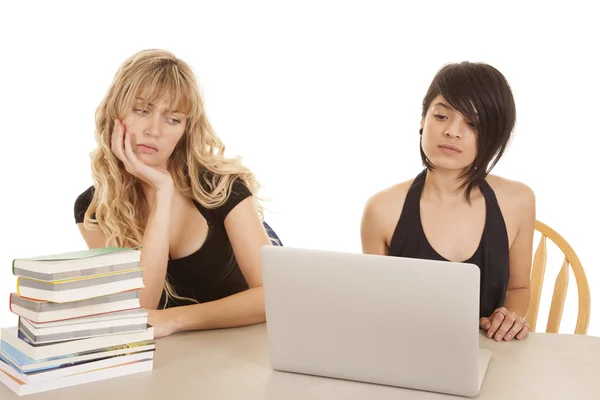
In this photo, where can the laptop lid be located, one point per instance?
(388, 320)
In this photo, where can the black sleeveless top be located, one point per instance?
(491, 256)
(211, 272)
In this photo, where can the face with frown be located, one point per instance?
(154, 130)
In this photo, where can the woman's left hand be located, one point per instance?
(162, 322)
(504, 325)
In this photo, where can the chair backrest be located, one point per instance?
(275, 241)
(560, 285)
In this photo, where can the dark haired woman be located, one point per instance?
(454, 210)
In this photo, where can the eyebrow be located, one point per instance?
(447, 107)
(152, 105)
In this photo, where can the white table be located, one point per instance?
(234, 364)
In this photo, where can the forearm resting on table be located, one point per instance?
(240, 309)
(517, 300)
(155, 250)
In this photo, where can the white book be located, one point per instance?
(22, 389)
(73, 323)
(84, 367)
(80, 289)
(53, 334)
(78, 263)
(13, 337)
(24, 364)
(43, 312)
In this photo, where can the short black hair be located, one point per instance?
(481, 93)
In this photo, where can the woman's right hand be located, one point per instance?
(156, 176)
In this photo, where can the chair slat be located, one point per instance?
(537, 280)
(558, 299)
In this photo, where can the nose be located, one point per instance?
(152, 128)
(453, 130)
(451, 134)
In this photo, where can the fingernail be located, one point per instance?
(508, 337)
(498, 337)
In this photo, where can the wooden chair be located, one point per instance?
(560, 285)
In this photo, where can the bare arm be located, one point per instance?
(155, 248)
(247, 236)
(518, 293)
(507, 323)
(372, 228)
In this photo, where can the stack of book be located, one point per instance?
(79, 321)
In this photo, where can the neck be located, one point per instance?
(444, 185)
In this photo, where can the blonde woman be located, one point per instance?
(161, 181)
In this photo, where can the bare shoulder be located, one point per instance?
(380, 216)
(388, 199)
(93, 239)
(512, 192)
(517, 204)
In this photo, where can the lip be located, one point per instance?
(450, 148)
(147, 148)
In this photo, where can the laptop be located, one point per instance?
(385, 320)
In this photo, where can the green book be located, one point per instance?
(77, 264)
(76, 255)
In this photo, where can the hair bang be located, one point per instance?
(167, 84)
(462, 97)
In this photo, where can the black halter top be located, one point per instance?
(491, 256)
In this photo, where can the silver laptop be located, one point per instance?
(386, 320)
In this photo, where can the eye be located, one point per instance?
(173, 121)
(440, 117)
(141, 111)
(472, 125)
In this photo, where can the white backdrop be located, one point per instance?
(322, 100)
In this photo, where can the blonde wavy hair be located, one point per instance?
(198, 165)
